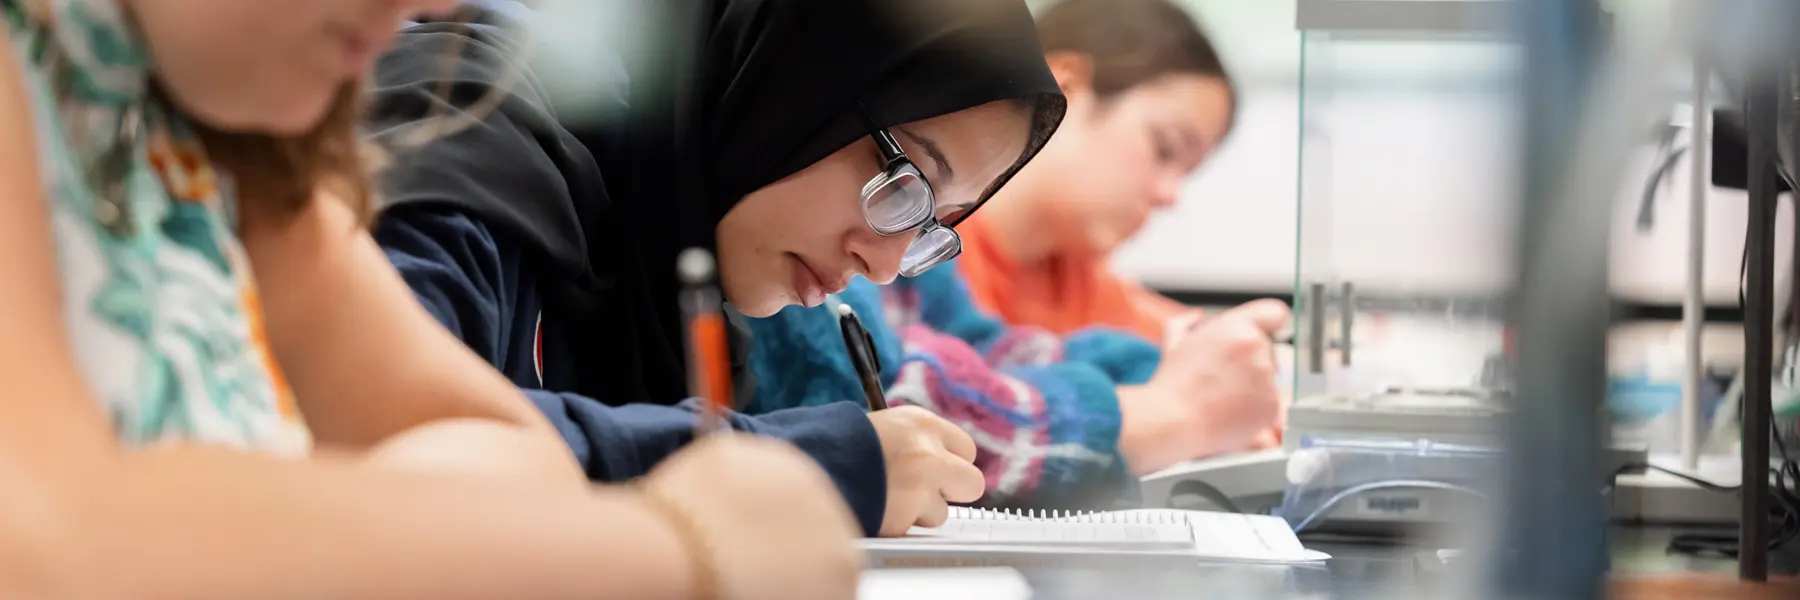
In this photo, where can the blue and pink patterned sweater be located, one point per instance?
(1041, 408)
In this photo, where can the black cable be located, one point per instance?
(1646, 218)
(1784, 509)
(1792, 322)
(1205, 492)
(1784, 491)
(1642, 467)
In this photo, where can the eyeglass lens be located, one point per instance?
(932, 247)
(897, 202)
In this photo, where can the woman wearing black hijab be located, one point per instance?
(806, 141)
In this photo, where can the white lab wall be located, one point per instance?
(1419, 192)
(1235, 227)
(1650, 266)
(1437, 229)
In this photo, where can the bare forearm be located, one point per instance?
(1153, 431)
(365, 359)
(196, 523)
(481, 446)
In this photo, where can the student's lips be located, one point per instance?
(810, 288)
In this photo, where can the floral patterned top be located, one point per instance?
(159, 303)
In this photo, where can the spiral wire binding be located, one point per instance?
(1070, 516)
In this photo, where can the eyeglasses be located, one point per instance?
(898, 200)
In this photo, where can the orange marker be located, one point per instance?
(709, 356)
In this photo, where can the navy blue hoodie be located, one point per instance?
(480, 276)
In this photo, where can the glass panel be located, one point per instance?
(1406, 149)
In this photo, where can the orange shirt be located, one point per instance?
(1066, 294)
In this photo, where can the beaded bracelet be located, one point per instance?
(706, 572)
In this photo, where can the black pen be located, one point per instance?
(861, 348)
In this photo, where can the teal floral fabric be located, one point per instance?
(159, 303)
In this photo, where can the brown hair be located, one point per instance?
(1132, 42)
(334, 157)
(287, 172)
(290, 171)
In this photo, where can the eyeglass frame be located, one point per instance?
(896, 163)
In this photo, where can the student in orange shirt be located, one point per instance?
(1149, 101)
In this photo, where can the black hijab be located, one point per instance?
(736, 94)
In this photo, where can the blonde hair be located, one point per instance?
(289, 172)
(334, 158)
(285, 173)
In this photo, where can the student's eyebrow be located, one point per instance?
(945, 173)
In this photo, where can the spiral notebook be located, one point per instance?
(1028, 539)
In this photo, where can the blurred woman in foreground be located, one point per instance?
(217, 387)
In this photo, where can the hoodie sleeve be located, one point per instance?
(468, 280)
(472, 272)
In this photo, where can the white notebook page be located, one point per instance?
(1125, 528)
(1053, 531)
(1201, 534)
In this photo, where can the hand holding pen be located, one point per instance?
(1213, 392)
(929, 460)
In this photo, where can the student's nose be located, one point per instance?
(879, 257)
(1167, 190)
